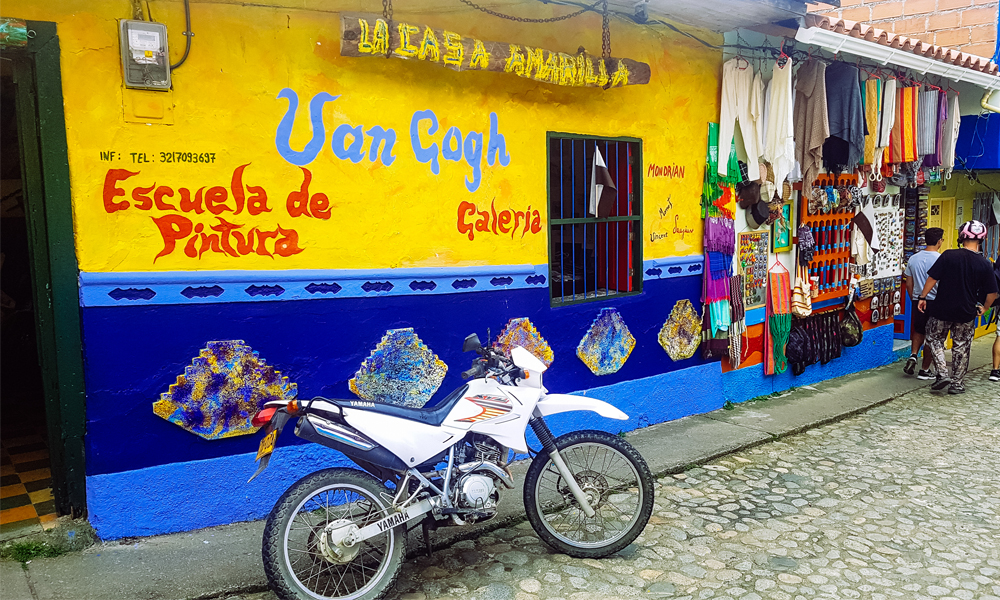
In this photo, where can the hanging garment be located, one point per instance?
(949, 135)
(927, 121)
(741, 101)
(738, 325)
(602, 188)
(886, 120)
(812, 125)
(903, 139)
(779, 139)
(873, 109)
(845, 146)
(779, 322)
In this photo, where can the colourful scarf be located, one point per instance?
(873, 108)
(903, 139)
(779, 323)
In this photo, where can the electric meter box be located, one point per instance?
(145, 60)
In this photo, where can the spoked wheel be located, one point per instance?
(618, 486)
(304, 549)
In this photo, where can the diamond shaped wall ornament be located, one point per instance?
(221, 390)
(521, 332)
(401, 370)
(607, 344)
(681, 332)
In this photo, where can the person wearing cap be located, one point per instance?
(916, 277)
(995, 373)
(967, 290)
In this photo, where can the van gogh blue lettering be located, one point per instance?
(452, 147)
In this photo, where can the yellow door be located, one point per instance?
(941, 213)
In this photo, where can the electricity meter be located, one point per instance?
(145, 60)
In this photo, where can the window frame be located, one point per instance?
(637, 262)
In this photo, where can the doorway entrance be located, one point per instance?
(42, 395)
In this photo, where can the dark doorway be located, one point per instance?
(27, 502)
(42, 396)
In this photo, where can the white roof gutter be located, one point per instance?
(838, 42)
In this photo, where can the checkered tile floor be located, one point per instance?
(25, 484)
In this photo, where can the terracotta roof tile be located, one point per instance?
(907, 44)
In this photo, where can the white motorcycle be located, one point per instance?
(340, 533)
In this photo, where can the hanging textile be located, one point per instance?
(742, 100)
(903, 139)
(738, 326)
(873, 109)
(812, 125)
(927, 123)
(934, 159)
(886, 121)
(779, 137)
(844, 147)
(949, 136)
(779, 321)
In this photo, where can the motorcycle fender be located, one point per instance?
(560, 403)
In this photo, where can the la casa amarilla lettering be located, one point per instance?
(177, 229)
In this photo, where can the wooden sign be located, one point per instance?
(369, 35)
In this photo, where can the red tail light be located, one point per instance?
(263, 417)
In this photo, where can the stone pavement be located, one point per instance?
(791, 500)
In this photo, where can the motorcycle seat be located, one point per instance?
(433, 415)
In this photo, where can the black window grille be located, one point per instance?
(595, 246)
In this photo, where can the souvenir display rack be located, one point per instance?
(829, 270)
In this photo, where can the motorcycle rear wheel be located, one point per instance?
(617, 482)
(298, 559)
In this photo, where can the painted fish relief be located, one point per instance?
(401, 370)
(681, 332)
(221, 390)
(607, 344)
(522, 332)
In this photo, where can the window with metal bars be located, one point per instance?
(595, 233)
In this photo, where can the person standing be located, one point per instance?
(916, 277)
(967, 289)
(995, 373)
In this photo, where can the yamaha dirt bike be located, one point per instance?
(340, 532)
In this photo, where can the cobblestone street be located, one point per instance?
(900, 502)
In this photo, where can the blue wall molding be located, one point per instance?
(201, 287)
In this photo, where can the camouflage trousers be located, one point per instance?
(961, 345)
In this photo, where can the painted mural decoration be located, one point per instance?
(681, 332)
(370, 35)
(522, 332)
(221, 390)
(400, 370)
(607, 344)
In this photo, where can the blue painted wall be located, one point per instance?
(147, 476)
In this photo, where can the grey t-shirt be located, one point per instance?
(917, 268)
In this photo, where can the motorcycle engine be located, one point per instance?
(478, 492)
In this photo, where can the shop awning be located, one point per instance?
(883, 47)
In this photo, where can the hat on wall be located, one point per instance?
(748, 193)
(757, 215)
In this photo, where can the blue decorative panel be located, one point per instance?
(521, 332)
(463, 284)
(500, 281)
(535, 279)
(222, 389)
(423, 286)
(323, 288)
(132, 294)
(607, 344)
(377, 286)
(205, 291)
(265, 290)
(401, 370)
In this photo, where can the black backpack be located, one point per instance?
(799, 350)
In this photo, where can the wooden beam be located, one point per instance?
(369, 35)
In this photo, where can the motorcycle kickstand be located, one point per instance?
(426, 525)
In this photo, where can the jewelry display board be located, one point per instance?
(751, 251)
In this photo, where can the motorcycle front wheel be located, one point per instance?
(303, 556)
(618, 486)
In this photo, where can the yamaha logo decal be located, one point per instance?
(491, 406)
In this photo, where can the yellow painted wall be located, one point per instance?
(224, 109)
